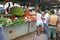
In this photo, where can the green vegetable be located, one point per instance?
(21, 20)
(9, 22)
(18, 11)
(2, 20)
(18, 21)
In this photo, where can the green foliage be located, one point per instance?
(3, 21)
(18, 21)
(15, 21)
(5, 14)
(21, 20)
(8, 22)
(16, 11)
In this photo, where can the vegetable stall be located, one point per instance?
(17, 22)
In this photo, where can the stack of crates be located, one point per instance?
(58, 29)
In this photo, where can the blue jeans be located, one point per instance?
(45, 28)
(1, 34)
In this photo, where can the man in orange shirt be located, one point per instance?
(52, 21)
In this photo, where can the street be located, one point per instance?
(32, 36)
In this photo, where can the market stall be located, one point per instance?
(12, 32)
(17, 22)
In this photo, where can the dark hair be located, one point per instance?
(44, 11)
(52, 12)
(9, 5)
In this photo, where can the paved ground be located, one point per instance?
(33, 37)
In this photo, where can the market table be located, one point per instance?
(14, 31)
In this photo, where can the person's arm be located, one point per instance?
(48, 19)
(58, 21)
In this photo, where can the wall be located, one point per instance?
(15, 31)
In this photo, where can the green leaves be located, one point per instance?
(18, 21)
(2, 20)
(16, 11)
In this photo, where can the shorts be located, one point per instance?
(39, 23)
(53, 30)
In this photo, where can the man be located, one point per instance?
(39, 23)
(52, 21)
(57, 13)
(44, 19)
(58, 26)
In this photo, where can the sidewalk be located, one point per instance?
(32, 37)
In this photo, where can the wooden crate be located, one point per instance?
(58, 28)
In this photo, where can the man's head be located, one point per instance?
(36, 8)
(52, 12)
(43, 13)
(46, 11)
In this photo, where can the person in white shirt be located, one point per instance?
(39, 24)
(38, 19)
(44, 18)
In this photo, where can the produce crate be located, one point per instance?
(58, 31)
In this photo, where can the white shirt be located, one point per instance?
(38, 19)
(46, 17)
